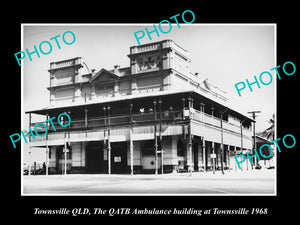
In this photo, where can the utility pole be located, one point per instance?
(155, 138)
(160, 138)
(214, 157)
(47, 149)
(104, 134)
(65, 155)
(190, 140)
(241, 126)
(64, 171)
(222, 145)
(106, 137)
(131, 141)
(254, 137)
(108, 140)
(29, 152)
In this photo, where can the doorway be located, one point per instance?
(94, 157)
(119, 158)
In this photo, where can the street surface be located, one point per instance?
(232, 183)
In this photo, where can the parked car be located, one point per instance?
(38, 169)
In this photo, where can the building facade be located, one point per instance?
(154, 116)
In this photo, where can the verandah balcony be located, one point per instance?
(216, 122)
(139, 119)
(95, 122)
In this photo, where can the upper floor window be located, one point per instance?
(105, 91)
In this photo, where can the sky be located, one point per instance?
(224, 53)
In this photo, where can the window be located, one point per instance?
(105, 91)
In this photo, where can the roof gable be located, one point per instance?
(103, 75)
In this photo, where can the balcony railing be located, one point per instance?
(113, 120)
(215, 121)
(141, 118)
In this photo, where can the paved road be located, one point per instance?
(233, 183)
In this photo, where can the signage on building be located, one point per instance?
(117, 159)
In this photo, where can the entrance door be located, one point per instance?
(119, 158)
(94, 157)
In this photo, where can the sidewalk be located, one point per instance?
(195, 175)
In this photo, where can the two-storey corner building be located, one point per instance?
(153, 115)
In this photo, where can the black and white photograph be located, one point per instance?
(186, 113)
(149, 113)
